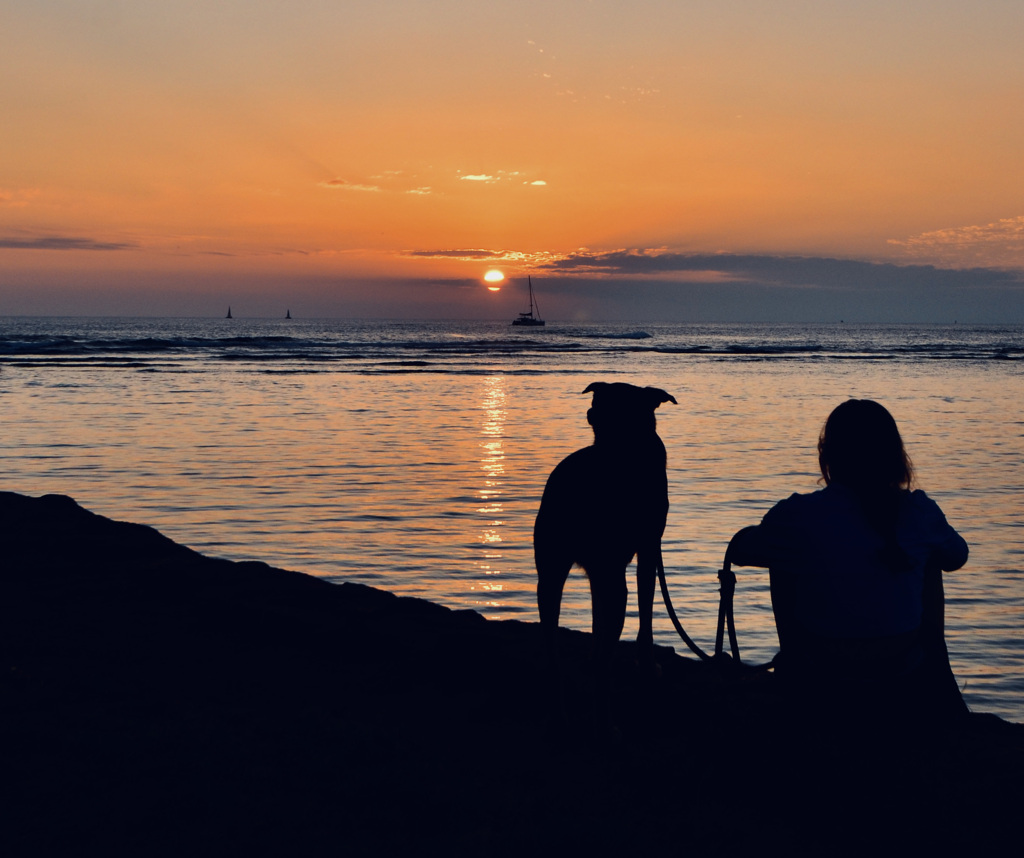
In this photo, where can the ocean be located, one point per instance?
(412, 456)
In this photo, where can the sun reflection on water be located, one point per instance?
(492, 470)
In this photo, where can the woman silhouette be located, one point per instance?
(856, 572)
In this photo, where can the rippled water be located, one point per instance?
(413, 456)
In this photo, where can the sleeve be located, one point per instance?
(949, 548)
(765, 544)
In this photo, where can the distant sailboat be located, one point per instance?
(228, 316)
(527, 319)
(288, 314)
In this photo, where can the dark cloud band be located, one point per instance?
(62, 242)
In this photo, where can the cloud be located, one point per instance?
(521, 258)
(660, 284)
(788, 271)
(500, 176)
(17, 197)
(468, 255)
(62, 242)
(342, 185)
(391, 184)
(997, 243)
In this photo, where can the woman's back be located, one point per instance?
(846, 580)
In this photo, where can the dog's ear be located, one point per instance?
(619, 394)
(656, 396)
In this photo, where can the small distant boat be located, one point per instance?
(229, 316)
(287, 314)
(527, 319)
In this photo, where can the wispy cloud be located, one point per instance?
(468, 255)
(398, 182)
(17, 197)
(387, 182)
(343, 185)
(658, 261)
(997, 243)
(62, 242)
(517, 176)
(523, 259)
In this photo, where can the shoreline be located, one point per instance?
(162, 702)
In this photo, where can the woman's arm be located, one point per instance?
(952, 552)
(750, 547)
(948, 548)
(770, 542)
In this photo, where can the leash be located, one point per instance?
(726, 621)
(675, 620)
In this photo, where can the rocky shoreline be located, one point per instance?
(158, 702)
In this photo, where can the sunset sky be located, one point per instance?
(640, 160)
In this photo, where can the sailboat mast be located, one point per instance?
(529, 318)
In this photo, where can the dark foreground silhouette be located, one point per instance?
(156, 702)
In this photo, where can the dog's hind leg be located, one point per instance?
(552, 572)
(646, 577)
(608, 595)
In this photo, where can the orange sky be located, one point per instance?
(168, 152)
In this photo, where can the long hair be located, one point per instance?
(860, 447)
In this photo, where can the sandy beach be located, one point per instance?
(159, 702)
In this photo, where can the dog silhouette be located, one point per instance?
(602, 506)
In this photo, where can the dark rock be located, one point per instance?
(158, 702)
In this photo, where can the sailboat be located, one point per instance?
(228, 316)
(287, 314)
(527, 319)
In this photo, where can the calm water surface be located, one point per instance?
(413, 456)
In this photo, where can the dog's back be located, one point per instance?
(601, 506)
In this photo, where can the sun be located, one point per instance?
(494, 277)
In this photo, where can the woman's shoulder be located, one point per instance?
(797, 505)
(829, 495)
(919, 503)
(794, 501)
(920, 508)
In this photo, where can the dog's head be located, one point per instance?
(624, 412)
